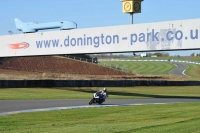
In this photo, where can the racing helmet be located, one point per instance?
(105, 89)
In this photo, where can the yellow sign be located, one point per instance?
(128, 6)
(131, 6)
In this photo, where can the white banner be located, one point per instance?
(172, 35)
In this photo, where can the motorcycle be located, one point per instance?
(98, 98)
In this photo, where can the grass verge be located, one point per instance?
(153, 68)
(87, 92)
(176, 118)
(193, 70)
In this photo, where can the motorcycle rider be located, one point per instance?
(100, 94)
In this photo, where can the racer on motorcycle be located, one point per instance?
(99, 96)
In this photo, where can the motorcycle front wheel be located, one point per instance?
(91, 102)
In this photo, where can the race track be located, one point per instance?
(180, 69)
(18, 105)
(9, 106)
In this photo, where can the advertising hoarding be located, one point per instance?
(170, 35)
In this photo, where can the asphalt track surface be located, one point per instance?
(17, 105)
(180, 69)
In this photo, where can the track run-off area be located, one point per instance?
(19, 106)
(174, 68)
(9, 107)
(155, 67)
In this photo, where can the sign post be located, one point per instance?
(131, 7)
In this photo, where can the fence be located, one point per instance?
(95, 60)
(180, 61)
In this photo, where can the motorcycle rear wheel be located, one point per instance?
(91, 102)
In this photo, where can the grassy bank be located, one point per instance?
(196, 58)
(153, 68)
(193, 70)
(173, 118)
(86, 92)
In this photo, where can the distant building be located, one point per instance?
(143, 55)
(154, 55)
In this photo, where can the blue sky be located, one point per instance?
(95, 13)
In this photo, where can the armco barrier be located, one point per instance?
(92, 83)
